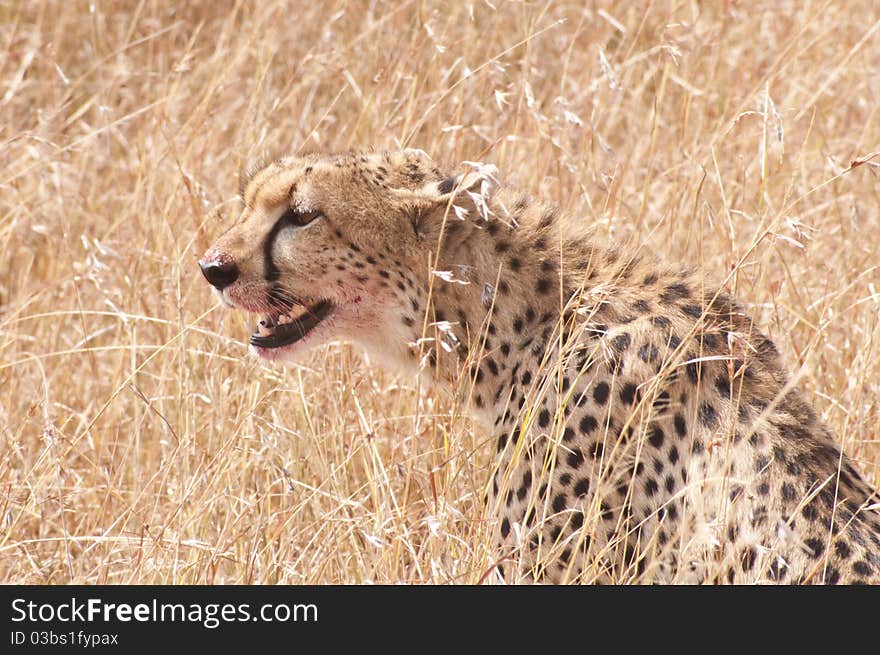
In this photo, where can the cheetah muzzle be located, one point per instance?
(643, 427)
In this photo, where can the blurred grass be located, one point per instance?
(139, 443)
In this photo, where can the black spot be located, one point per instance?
(502, 441)
(576, 458)
(748, 559)
(670, 483)
(588, 424)
(832, 575)
(788, 491)
(651, 486)
(777, 571)
(621, 342)
(648, 352)
(515, 264)
(693, 372)
(505, 528)
(600, 393)
(862, 568)
(842, 549)
(810, 512)
(582, 488)
(530, 315)
(661, 402)
(628, 393)
(764, 488)
(559, 503)
(526, 377)
(501, 246)
(680, 427)
(492, 366)
(761, 463)
(723, 385)
(543, 285)
(656, 438)
(708, 416)
(693, 311)
(517, 325)
(544, 418)
(660, 321)
(675, 291)
(568, 435)
(641, 307)
(526, 485)
(816, 546)
(759, 516)
(598, 449)
(673, 455)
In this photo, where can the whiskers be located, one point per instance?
(282, 299)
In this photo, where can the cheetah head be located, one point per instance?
(334, 247)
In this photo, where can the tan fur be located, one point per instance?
(645, 429)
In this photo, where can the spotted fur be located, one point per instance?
(644, 428)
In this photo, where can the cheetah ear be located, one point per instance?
(461, 197)
(469, 194)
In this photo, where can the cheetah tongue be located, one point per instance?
(277, 330)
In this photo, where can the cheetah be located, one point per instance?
(643, 428)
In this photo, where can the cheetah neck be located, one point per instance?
(503, 286)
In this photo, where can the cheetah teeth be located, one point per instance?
(266, 327)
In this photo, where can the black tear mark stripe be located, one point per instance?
(271, 271)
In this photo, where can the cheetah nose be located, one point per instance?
(219, 274)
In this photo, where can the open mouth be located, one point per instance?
(283, 328)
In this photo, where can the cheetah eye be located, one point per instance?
(297, 218)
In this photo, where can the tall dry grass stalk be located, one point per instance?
(140, 443)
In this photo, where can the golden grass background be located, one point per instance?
(140, 443)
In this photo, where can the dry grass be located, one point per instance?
(140, 443)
